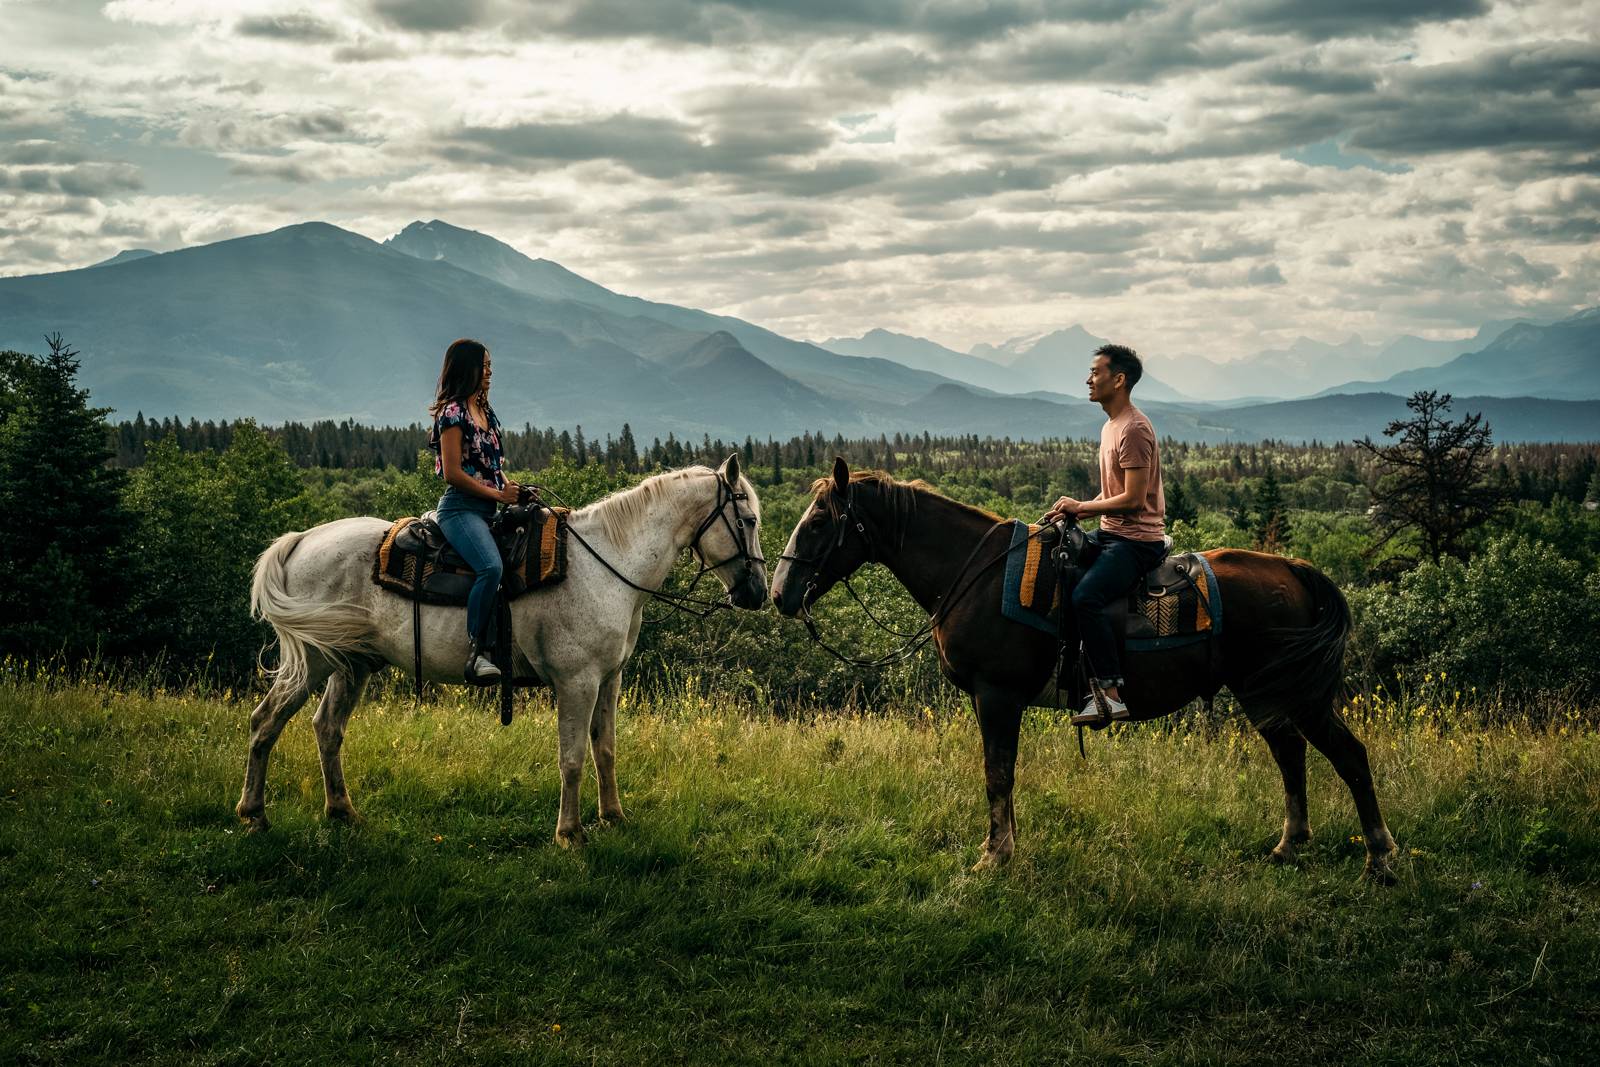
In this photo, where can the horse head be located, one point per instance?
(829, 543)
(728, 540)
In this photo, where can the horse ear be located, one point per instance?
(730, 468)
(841, 474)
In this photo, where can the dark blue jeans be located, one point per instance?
(1114, 564)
(465, 522)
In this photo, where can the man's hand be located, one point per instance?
(1063, 507)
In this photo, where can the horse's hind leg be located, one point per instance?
(999, 721)
(603, 746)
(339, 699)
(1288, 747)
(266, 723)
(1349, 757)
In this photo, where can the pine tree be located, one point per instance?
(1269, 527)
(1432, 479)
(62, 561)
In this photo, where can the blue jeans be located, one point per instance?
(1114, 565)
(465, 522)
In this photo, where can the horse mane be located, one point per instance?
(901, 498)
(622, 514)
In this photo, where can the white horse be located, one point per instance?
(336, 626)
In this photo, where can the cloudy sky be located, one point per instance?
(1191, 177)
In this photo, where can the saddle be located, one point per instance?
(416, 561)
(1173, 604)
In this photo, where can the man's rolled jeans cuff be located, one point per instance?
(1110, 683)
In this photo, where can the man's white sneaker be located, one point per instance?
(483, 667)
(1091, 715)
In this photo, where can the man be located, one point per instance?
(1132, 513)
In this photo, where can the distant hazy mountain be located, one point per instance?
(921, 354)
(1333, 418)
(1310, 367)
(127, 255)
(311, 321)
(850, 378)
(1560, 361)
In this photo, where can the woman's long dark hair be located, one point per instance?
(462, 373)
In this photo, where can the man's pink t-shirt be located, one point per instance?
(1129, 441)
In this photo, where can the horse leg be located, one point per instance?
(339, 699)
(1348, 755)
(603, 738)
(574, 712)
(266, 723)
(1288, 747)
(999, 721)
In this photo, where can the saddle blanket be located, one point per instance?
(1178, 604)
(415, 560)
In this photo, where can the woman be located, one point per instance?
(466, 442)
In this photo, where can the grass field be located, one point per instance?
(784, 891)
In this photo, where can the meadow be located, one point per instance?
(789, 889)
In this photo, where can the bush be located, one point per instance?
(1517, 619)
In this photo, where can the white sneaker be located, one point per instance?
(484, 667)
(1091, 715)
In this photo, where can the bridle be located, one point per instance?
(846, 519)
(700, 608)
(728, 493)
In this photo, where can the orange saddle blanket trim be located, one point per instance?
(1175, 604)
(415, 560)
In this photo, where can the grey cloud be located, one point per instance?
(1311, 75)
(264, 131)
(299, 26)
(1557, 67)
(434, 16)
(286, 169)
(1266, 274)
(1325, 19)
(980, 234)
(41, 151)
(1453, 124)
(736, 21)
(1200, 251)
(1151, 50)
(83, 180)
(753, 142)
(917, 188)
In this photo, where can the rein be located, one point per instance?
(697, 607)
(924, 633)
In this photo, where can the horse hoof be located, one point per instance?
(1380, 871)
(991, 861)
(611, 819)
(342, 813)
(256, 823)
(572, 838)
(1284, 857)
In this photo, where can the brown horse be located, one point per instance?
(1281, 653)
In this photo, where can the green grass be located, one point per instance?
(784, 892)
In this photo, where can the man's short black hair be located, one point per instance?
(1123, 360)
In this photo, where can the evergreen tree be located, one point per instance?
(62, 561)
(1269, 526)
(1432, 478)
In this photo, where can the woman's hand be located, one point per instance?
(510, 494)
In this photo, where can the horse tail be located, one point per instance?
(1308, 666)
(335, 630)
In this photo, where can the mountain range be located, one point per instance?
(312, 321)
